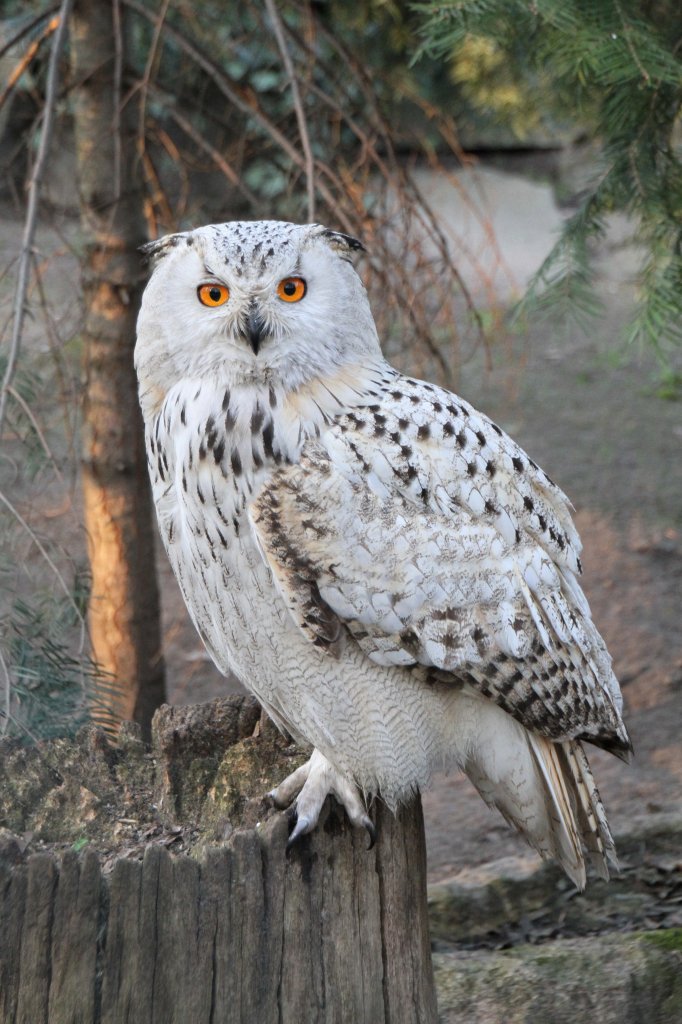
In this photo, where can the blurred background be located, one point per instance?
(515, 174)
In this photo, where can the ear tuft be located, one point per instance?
(341, 242)
(154, 251)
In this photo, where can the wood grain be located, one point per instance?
(329, 932)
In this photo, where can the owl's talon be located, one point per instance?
(302, 826)
(311, 784)
(283, 794)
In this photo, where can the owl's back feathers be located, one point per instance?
(417, 529)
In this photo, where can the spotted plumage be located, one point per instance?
(380, 563)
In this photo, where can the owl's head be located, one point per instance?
(261, 301)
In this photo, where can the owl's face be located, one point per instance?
(253, 302)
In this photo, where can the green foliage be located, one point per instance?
(53, 690)
(26, 386)
(669, 385)
(619, 64)
(479, 67)
(667, 938)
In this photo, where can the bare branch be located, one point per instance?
(7, 683)
(243, 100)
(156, 198)
(118, 79)
(66, 384)
(36, 426)
(240, 98)
(167, 144)
(20, 519)
(27, 29)
(143, 86)
(21, 66)
(298, 105)
(219, 160)
(32, 210)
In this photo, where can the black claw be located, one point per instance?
(372, 833)
(291, 815)
(301, 828)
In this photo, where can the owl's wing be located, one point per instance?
(419, 528)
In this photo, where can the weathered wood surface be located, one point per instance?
(241, 931)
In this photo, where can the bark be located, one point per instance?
(124, 605)
(240, 931)
(330, 933)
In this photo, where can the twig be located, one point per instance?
(27, 29)
(298, 105)
(144, 83)
(20, 519)
(118, 79)
(32, 210)
(67, 390)
(240, 98)
(7, 680)
(156, 197)
(217, 157)
(21, 66)
(36, 426)
(165, 141)
(627, 35)
(396, 175)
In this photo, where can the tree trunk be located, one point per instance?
(124, 603)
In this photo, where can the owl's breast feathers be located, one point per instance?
(415, 528)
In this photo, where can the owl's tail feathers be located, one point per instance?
(547, 791)
(576, 813)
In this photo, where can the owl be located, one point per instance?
(388, 572)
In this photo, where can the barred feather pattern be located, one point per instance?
(390, 574)
(482, 555)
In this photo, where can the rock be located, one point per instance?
(607, 979)
(479, 900)
(519, 899)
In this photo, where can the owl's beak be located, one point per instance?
(253, 328)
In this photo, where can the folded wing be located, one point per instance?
(418, 530)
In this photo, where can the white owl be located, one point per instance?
(379, 563)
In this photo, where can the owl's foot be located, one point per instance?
(314, 781)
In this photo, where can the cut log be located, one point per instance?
(238, 931)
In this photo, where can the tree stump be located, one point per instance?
(233, 931)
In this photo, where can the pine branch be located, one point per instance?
(626, 62)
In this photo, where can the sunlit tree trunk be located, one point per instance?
(124, 604)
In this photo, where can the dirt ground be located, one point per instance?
(592, 416)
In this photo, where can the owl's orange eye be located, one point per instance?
(213, 294)
(292, 289)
